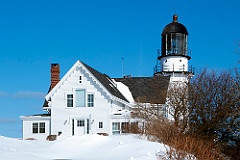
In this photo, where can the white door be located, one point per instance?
(80, 127)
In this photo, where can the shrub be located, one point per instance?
(51, 137)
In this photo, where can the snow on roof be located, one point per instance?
(125, 91)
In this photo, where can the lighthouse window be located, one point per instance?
(169, 47)
(165, 61)
(180, 60)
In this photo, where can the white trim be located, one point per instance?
(122, 101)
(30, 118)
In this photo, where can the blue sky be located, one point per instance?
(34, 34)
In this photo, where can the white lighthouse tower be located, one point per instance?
(174, 56)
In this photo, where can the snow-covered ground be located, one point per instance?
(86, 147)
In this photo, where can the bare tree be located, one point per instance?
(159, 128)
(206, 108)
(177, 104)
(153, 123)
(214, 100)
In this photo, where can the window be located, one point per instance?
(41, 127)
(168, 39)
(80, 79)
(35, 128)
(70, 100)
(72, 127)
(38, 127)
(115, 128)
(80, 123)
(88, 126)
(100, 125)
(123, 106)
(90, 102)
(80, 98)
(125, 127)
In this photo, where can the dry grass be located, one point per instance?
(186, 146)
(180, 146)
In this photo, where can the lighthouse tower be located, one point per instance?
(174, 56)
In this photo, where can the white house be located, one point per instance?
(86, 101)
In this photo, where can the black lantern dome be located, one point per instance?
(174, 27)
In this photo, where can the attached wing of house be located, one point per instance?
(147, 89)
(86, 101)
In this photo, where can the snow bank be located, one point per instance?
(86, 147)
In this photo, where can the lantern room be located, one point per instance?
(174, 39)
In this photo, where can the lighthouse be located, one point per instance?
(173, 57)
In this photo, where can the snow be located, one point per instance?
(86, 147)
(125, 91)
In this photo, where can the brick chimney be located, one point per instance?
(55, 73)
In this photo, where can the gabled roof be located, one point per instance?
(45, 104)
(105, 81)
(143, 89)
(147, 89)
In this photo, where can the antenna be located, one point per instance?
(141, 59)
(122, 67)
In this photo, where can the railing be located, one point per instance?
(159, 69)
(175, 51)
